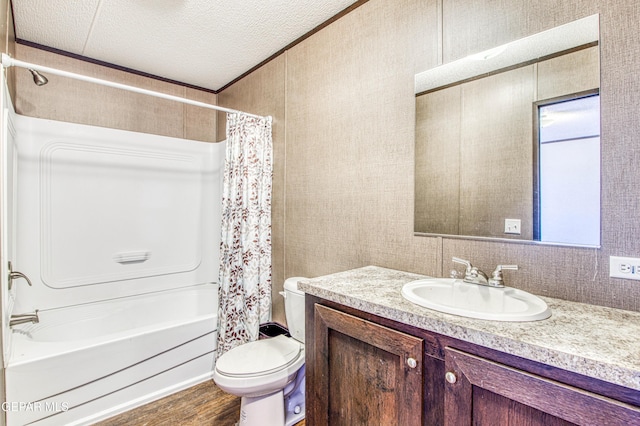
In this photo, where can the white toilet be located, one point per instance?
(269, 374)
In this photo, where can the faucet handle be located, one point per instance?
(462, 262)
(503, 267)
(15, 274)
(496, 279)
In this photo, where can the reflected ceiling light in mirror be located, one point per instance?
(488, 54)
(582, 32)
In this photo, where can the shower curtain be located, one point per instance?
(245, 249)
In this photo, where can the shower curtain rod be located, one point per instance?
(8, 61)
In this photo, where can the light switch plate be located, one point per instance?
(512, 226)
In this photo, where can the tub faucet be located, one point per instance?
(15, 274)
(24, 318)
(472, 274)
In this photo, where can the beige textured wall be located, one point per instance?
(437, 163)
(496, 147)
(486, 166)
(7, 33)
(348, 138)
(474, 146)
(75, 101)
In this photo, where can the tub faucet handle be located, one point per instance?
(15, 274)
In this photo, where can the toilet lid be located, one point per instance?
(259, 357)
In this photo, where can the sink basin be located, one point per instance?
(453, 296)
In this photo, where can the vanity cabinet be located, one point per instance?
(485, 393)
(366, 370)
(368, 374)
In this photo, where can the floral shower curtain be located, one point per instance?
(245, 250)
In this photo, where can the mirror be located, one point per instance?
(508, 141)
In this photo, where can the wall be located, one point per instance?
(7, 34)
(345, 143)
(75, 101)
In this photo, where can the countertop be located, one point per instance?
(596, 341)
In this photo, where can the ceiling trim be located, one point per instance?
(295, 42)
(166, 80)
(110, 65)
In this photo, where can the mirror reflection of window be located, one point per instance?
(569, 171)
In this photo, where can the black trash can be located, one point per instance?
(272, 329)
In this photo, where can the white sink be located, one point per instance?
(453, 296)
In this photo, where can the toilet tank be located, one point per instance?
(294, 307)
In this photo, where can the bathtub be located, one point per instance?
(84, 363)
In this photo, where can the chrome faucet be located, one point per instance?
(496, 279)
(24, 318)
(473, 275)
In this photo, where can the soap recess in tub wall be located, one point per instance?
(132, 256)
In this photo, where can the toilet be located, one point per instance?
(269, 374)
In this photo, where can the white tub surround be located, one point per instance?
(119, 233)
(104, 213)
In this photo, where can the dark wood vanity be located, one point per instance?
(363, 369)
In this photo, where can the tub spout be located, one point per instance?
(24, 318)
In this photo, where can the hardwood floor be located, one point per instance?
(203, 404)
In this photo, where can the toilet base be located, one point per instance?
(262, 410)
(294, 400)
(283, 408)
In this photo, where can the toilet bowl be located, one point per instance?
(269, 374)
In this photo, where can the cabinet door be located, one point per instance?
(366, 374)
(483, 392)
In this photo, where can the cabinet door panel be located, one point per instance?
(365, 372)
(488, 393)
(492, 409)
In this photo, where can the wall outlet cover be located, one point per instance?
(624, 267)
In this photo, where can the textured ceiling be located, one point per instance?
(205, 43)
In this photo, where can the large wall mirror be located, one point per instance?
(508, 141)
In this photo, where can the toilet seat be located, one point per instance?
(258, 358)
(243, 370)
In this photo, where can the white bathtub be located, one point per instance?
(84, 363)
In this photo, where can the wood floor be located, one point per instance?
(203, 404)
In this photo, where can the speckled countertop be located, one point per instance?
(595, 341)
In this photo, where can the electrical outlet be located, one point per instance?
(512, 226)
(624, 267)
